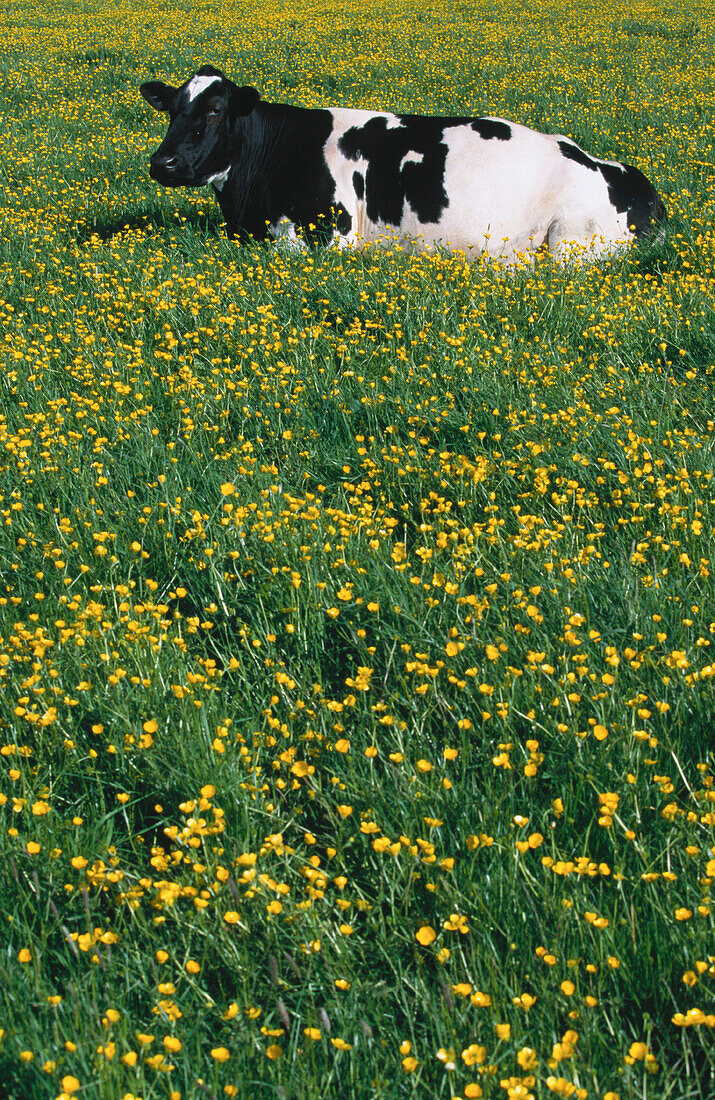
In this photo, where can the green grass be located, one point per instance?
(341, 592)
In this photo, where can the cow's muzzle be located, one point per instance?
(168, 170)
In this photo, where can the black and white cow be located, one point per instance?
(477, 184)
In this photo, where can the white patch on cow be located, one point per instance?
(411, 157)
(199, 84)
(218, 179)
(343, 171)
(285, 234)
(506, 197)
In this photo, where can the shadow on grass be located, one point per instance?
(151, 220)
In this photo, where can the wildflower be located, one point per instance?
(474, 1055)
(447, 1058)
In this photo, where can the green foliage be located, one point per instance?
(356, 608)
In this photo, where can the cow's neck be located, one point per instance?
(278, 148)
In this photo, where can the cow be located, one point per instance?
(482, 185)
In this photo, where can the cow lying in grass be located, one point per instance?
(478, 184)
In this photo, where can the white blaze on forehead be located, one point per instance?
(199, 84)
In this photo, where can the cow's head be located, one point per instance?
(202, 115)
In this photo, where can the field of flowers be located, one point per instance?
(357, 620)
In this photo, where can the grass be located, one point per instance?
(356, 609)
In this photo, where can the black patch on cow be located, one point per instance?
(632, 193)
(359, 185)
(343, 221)
(488, 128)
(572, 152)
(387, 185)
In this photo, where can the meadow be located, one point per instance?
(357, 621)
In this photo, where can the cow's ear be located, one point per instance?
(243, 100)
(159, 96)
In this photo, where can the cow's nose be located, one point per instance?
(168, 164)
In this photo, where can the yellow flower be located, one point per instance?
(527, 1058)
(220, 1054)
(172, 1044)
(274, 1052)
(426, 935)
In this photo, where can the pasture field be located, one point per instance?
(357, 624)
